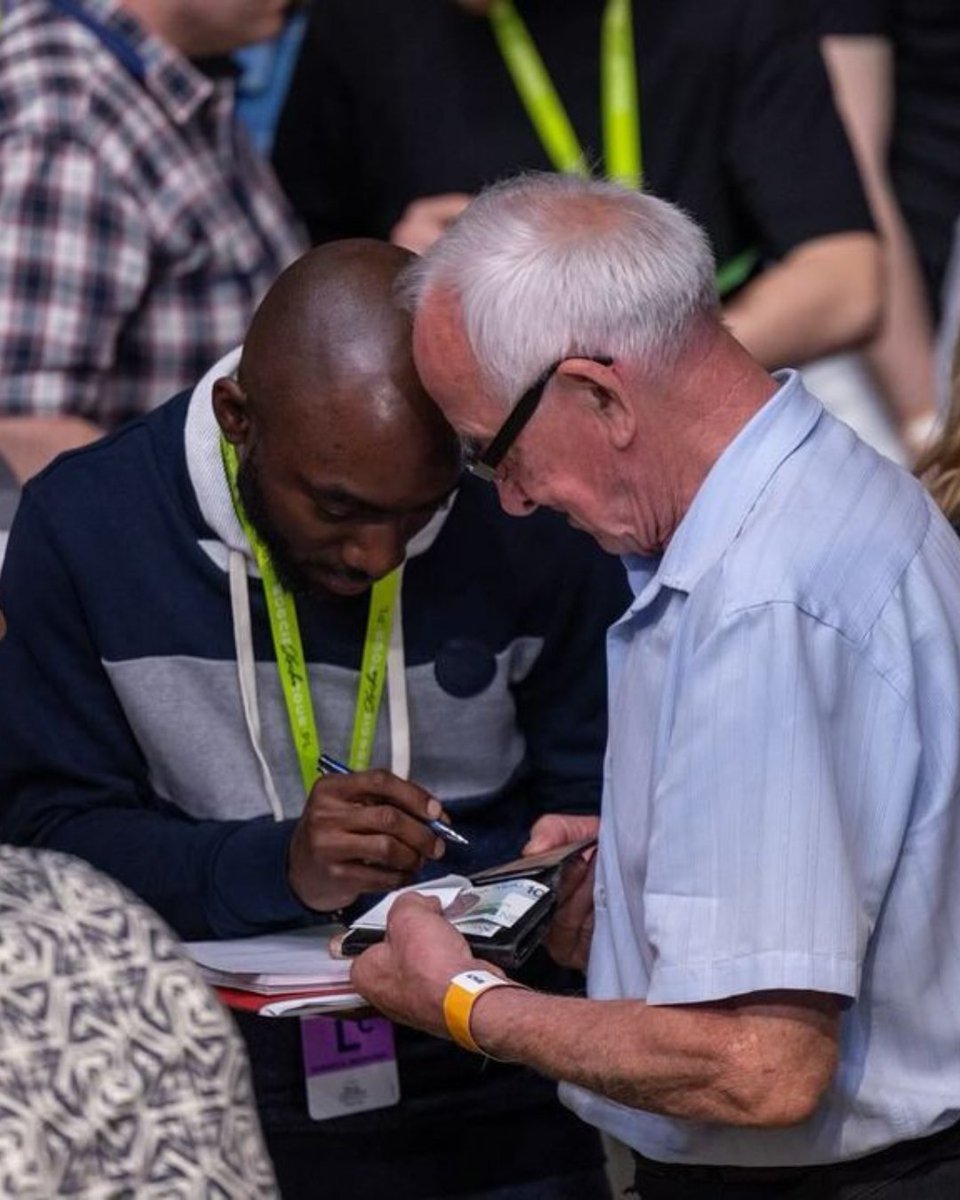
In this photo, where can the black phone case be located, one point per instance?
(508, 948)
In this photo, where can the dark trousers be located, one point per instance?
(924, 1169)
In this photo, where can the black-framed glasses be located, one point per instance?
(487, 464)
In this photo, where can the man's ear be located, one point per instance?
(232, 411)
(611, 403)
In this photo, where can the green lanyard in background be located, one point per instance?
(620, 99)
(620, 107)
(288, 647)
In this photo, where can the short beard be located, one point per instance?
(289, 573)
(290, 576)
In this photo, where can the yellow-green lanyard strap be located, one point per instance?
(620, 106)
(373, 668)
(288, 648)
(619, 94)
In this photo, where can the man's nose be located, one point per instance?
(375, 549)
(513, 499)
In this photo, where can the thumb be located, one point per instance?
(559, 829)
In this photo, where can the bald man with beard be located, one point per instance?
(143, 724)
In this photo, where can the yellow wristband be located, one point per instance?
(462, 993)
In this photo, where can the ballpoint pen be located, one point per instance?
(333, 766)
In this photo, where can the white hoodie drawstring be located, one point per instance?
(399, 714)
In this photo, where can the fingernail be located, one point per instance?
(434, 808)
(439, 848)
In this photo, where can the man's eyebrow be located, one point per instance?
(349, 500)
(337, 495)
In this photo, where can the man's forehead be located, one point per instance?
(446, 363)
(438, 326)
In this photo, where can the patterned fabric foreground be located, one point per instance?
(120, 1073)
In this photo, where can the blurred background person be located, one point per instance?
(138, 227)
(265, 71)
(398, 113)
(894, 70)
(925, 144)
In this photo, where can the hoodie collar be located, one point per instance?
(178, 85)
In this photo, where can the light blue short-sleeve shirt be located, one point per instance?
(780, 805)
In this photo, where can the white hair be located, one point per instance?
(551, 266)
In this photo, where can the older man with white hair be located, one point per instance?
(773, 933)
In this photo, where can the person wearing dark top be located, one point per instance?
(391, 104)
(143, 722)
(861, 57)
(925, 151)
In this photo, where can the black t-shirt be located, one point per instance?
(925, 155)
(393, 101)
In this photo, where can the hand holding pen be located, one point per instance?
(333, 766)
(364, 831)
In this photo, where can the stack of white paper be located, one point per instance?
(271, 964)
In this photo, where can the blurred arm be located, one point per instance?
(900, 357)
(29, 443)
(794, 172)
(822, 297)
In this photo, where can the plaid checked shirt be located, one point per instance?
(138, 227)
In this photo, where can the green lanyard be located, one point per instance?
(620, 106)
(620, 99)
(288, 647)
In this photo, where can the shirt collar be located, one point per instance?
(175, 83)
(728, 494)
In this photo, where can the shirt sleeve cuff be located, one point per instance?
(698, 983)
(250, 892)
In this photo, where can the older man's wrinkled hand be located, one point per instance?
(406, 976)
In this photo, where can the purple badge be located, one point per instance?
(333, 1044)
